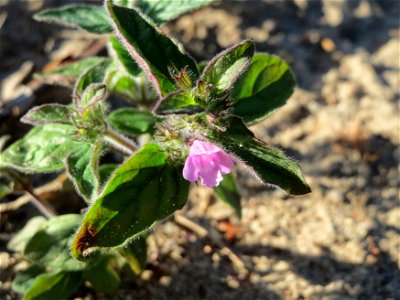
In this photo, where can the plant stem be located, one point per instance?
(120, 142)
(161, 101)
(42, 205)
(52, 186)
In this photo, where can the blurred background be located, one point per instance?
(341, 125)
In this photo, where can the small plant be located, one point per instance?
(194, 118)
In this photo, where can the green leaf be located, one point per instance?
(93, 93)
(124, 57)
(19, 241)
(125, 85)
(68, 74)
(105, 172)
(227, 192)
(144, 42)
(24, 280)
(50, 245)
(103, 277)
(92, 19)
(82, 169)
(266, 86)
(48, 113)
(135, 254)
(97, 74)
(133, 89)
(132, 121)
(43, 149)
(56, 285)
(143, 191)
(225, 68)
(270, 164)
(179, 102)
(126, 3)
(166, 10)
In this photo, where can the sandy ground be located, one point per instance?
(341, 125)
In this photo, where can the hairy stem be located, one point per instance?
(120, 142)
(161, 101)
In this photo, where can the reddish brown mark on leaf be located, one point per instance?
(84, 239)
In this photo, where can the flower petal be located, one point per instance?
(200, 148)
(190, 170)
(224, 162)
(210, 177)
(207, 162)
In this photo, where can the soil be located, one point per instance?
(341, 125)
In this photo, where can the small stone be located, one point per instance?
(328, 45)
(261, 264)
(147, 275)
(4, 260)
(165, 280)
(281, 266)
(232, 282)
(207, 249)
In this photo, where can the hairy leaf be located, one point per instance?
(124, 57)
(141, 192)
(270, 164)
(92, 19)
(163, 11)
(82, 169)
(98, 73)
(56, 285)
(48, 113)
(227, 192)
(266, 86)
(225, 68)
(144, 41)
(133, 89)
(68, 74)
(93, 94)
(179, 102)
(132, 121)
(43, 149)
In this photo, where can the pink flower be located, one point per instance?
(207, 162)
